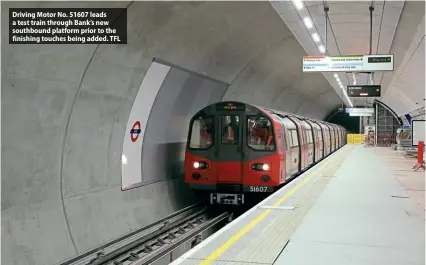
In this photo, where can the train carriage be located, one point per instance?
(236, 149)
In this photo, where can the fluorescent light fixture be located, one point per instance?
(321, 48)
(336, 76)
(315, 37)
(338, 80)
(298, 4)
(308, 22)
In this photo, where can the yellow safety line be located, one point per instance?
(219, 251)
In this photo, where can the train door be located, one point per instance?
(295, 151)
(339, 141)
(293, 146)
(301, 143)
(331, 133)
(326, 138)
(320, 143)
(282, 148)
(309, 142)
(336, 132)
(289, 167)
(334, 139)
(229, 151)
(312, 138)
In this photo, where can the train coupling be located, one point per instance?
(228, 199)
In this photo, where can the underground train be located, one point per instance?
(236, 150)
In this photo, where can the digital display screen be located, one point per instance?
(364, 91)
(230, 106)
(382, 59)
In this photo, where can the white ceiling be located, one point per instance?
(348, 32)
(406, 89)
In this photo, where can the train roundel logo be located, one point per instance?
(135, 131)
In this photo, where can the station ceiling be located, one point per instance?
(397, 28)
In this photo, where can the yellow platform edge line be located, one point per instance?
(219, 251)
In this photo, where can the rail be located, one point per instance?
(152, 241)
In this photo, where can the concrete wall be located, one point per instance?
(405, 86)
(65, 109)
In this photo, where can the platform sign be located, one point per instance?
(364, 91)
(360, 114)
(359, 110)
(348, 63)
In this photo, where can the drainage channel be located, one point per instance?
(160, 242)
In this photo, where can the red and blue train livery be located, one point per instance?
(235, 149)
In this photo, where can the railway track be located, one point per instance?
(157, 243)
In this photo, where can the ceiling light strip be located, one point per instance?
(309, 24)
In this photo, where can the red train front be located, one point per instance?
(231, 150)
(235, 149)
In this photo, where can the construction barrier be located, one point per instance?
(355, 138)
(420, 158)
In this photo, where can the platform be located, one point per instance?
(347, 210)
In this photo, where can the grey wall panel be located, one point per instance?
(180, 97)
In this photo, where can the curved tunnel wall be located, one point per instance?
(65, 110)
(180, 96)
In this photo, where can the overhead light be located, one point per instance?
(308, 22)
(336, 76)
(321, 48)
(298, 4)
(338, 80)
(315, 37)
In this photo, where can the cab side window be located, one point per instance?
(260, 134)
(201, 132)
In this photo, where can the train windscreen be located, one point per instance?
(260, 132)
(230, 129)
(201, 132)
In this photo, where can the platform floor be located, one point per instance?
(350, 209)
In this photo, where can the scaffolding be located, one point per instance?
(386, 126)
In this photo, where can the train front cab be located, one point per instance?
(231, 150)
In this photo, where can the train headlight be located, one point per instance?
(261, 167)
(200, 165)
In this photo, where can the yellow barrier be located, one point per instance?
(355, 138)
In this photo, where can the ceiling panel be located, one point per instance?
(411, 82)
(408, 80)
